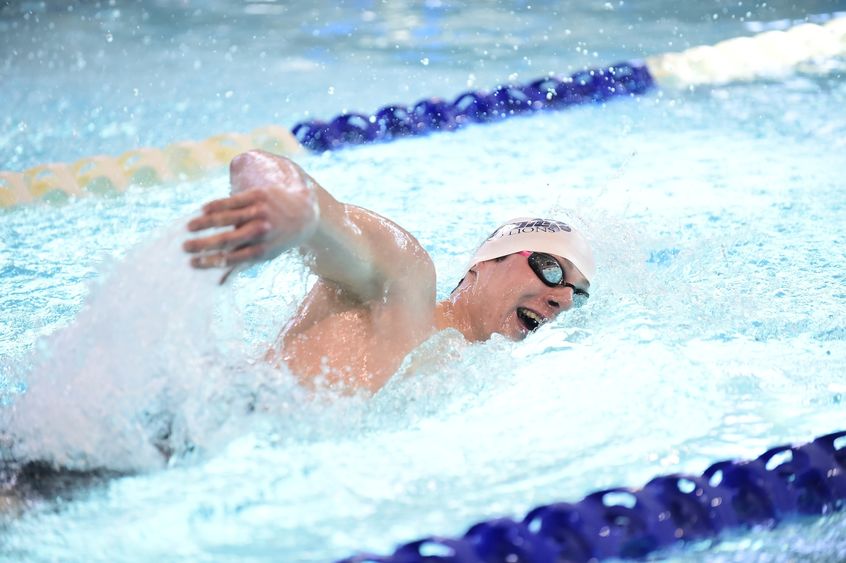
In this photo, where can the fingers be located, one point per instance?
(226, 259)
(245, 240)
(223, 219)
(227, 211)
(237, 201)
(252, 232)
(226, 275)
(247, 211)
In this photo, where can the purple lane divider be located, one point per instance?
(504, 101)
(631, 523)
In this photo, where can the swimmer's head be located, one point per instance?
(524, 274)
(538, 235)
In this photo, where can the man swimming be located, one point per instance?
(374, 299)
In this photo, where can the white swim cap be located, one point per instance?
(538, 235)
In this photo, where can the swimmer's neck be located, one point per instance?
(451, 314)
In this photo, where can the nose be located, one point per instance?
(563, 299)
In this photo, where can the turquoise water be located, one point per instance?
(715, 330)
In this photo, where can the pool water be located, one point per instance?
(715, 328)
(108, 76)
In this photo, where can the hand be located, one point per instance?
(273, 208)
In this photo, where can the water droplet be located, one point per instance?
(229, 94)
(331, 90)
(109, 37)
(425, 61)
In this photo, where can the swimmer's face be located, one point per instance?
(513, 301)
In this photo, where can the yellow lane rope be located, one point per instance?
(145, 167)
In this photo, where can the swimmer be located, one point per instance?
(374, 299)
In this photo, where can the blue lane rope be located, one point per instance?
(631, 523)
(434, 114)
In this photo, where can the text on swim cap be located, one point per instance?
(531, 226)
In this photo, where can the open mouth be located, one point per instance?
(529, 318)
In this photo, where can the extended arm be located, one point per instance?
(276, 206)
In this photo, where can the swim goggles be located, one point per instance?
(551, 273)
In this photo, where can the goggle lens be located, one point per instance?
(548, 268)
(550, 272)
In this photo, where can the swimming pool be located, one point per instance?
(716, 328)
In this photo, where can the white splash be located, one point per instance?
(139, 375)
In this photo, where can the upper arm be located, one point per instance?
(366, 255)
